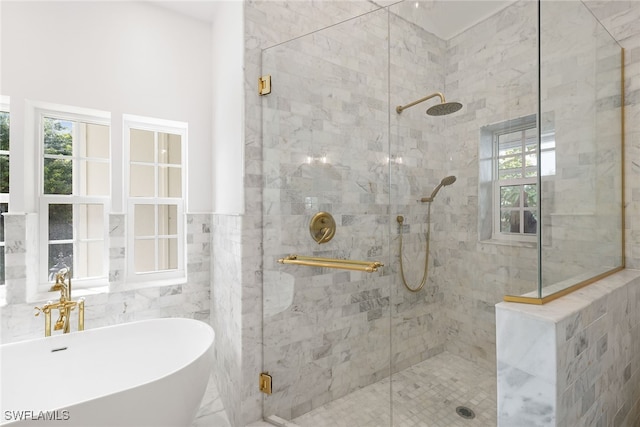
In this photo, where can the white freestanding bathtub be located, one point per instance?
(148, 373)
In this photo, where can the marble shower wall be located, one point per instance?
(124, 302)
(492, 69)
(226, 312)
(417, 165)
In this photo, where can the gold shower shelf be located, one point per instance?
(344, 264)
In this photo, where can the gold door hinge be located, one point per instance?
(265, 382)
(264, 85)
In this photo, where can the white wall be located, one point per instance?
(119, 57)
(228, 108)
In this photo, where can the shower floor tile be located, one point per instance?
(426, 394)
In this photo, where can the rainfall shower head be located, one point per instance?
(437, 110)
(448, 180)
(444, 108)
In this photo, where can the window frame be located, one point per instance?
(157, 126)
(83, 115)
(497, 234)
(4, 197)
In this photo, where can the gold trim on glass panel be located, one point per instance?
(623, 144)
(566, 291)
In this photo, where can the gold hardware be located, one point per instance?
(264, 85)
(64, 306)
(61, 322)
(343, 264)
(265, 383)
(623, 160)
(322, 227)
(81, 314)
(441, 109)
(399, 108)
(46, 309)
(559, 294)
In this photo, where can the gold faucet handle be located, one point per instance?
(45, 308)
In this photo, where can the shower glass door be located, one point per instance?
(326, 333)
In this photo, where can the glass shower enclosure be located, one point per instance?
(519, 192)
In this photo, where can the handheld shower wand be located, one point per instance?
(445, 181)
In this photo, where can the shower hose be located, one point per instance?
(400, 220)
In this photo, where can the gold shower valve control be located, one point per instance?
(322, 227)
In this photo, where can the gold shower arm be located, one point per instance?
(344, 264)
(399, 108)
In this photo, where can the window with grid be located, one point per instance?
(516, 180)
(156, 192)
(74, 194)
(4, 180)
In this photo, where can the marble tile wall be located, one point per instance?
(417, 165)
(124, 302)
(491, 69)
(226, 312)
(574, 361)
(19, 236)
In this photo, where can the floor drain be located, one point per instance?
(465, 412)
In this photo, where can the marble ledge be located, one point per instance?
(563, 307)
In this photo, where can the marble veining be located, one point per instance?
(123, 302)
(586, 370)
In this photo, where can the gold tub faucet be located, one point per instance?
(64, 305)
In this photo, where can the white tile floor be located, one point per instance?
(427, 394)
